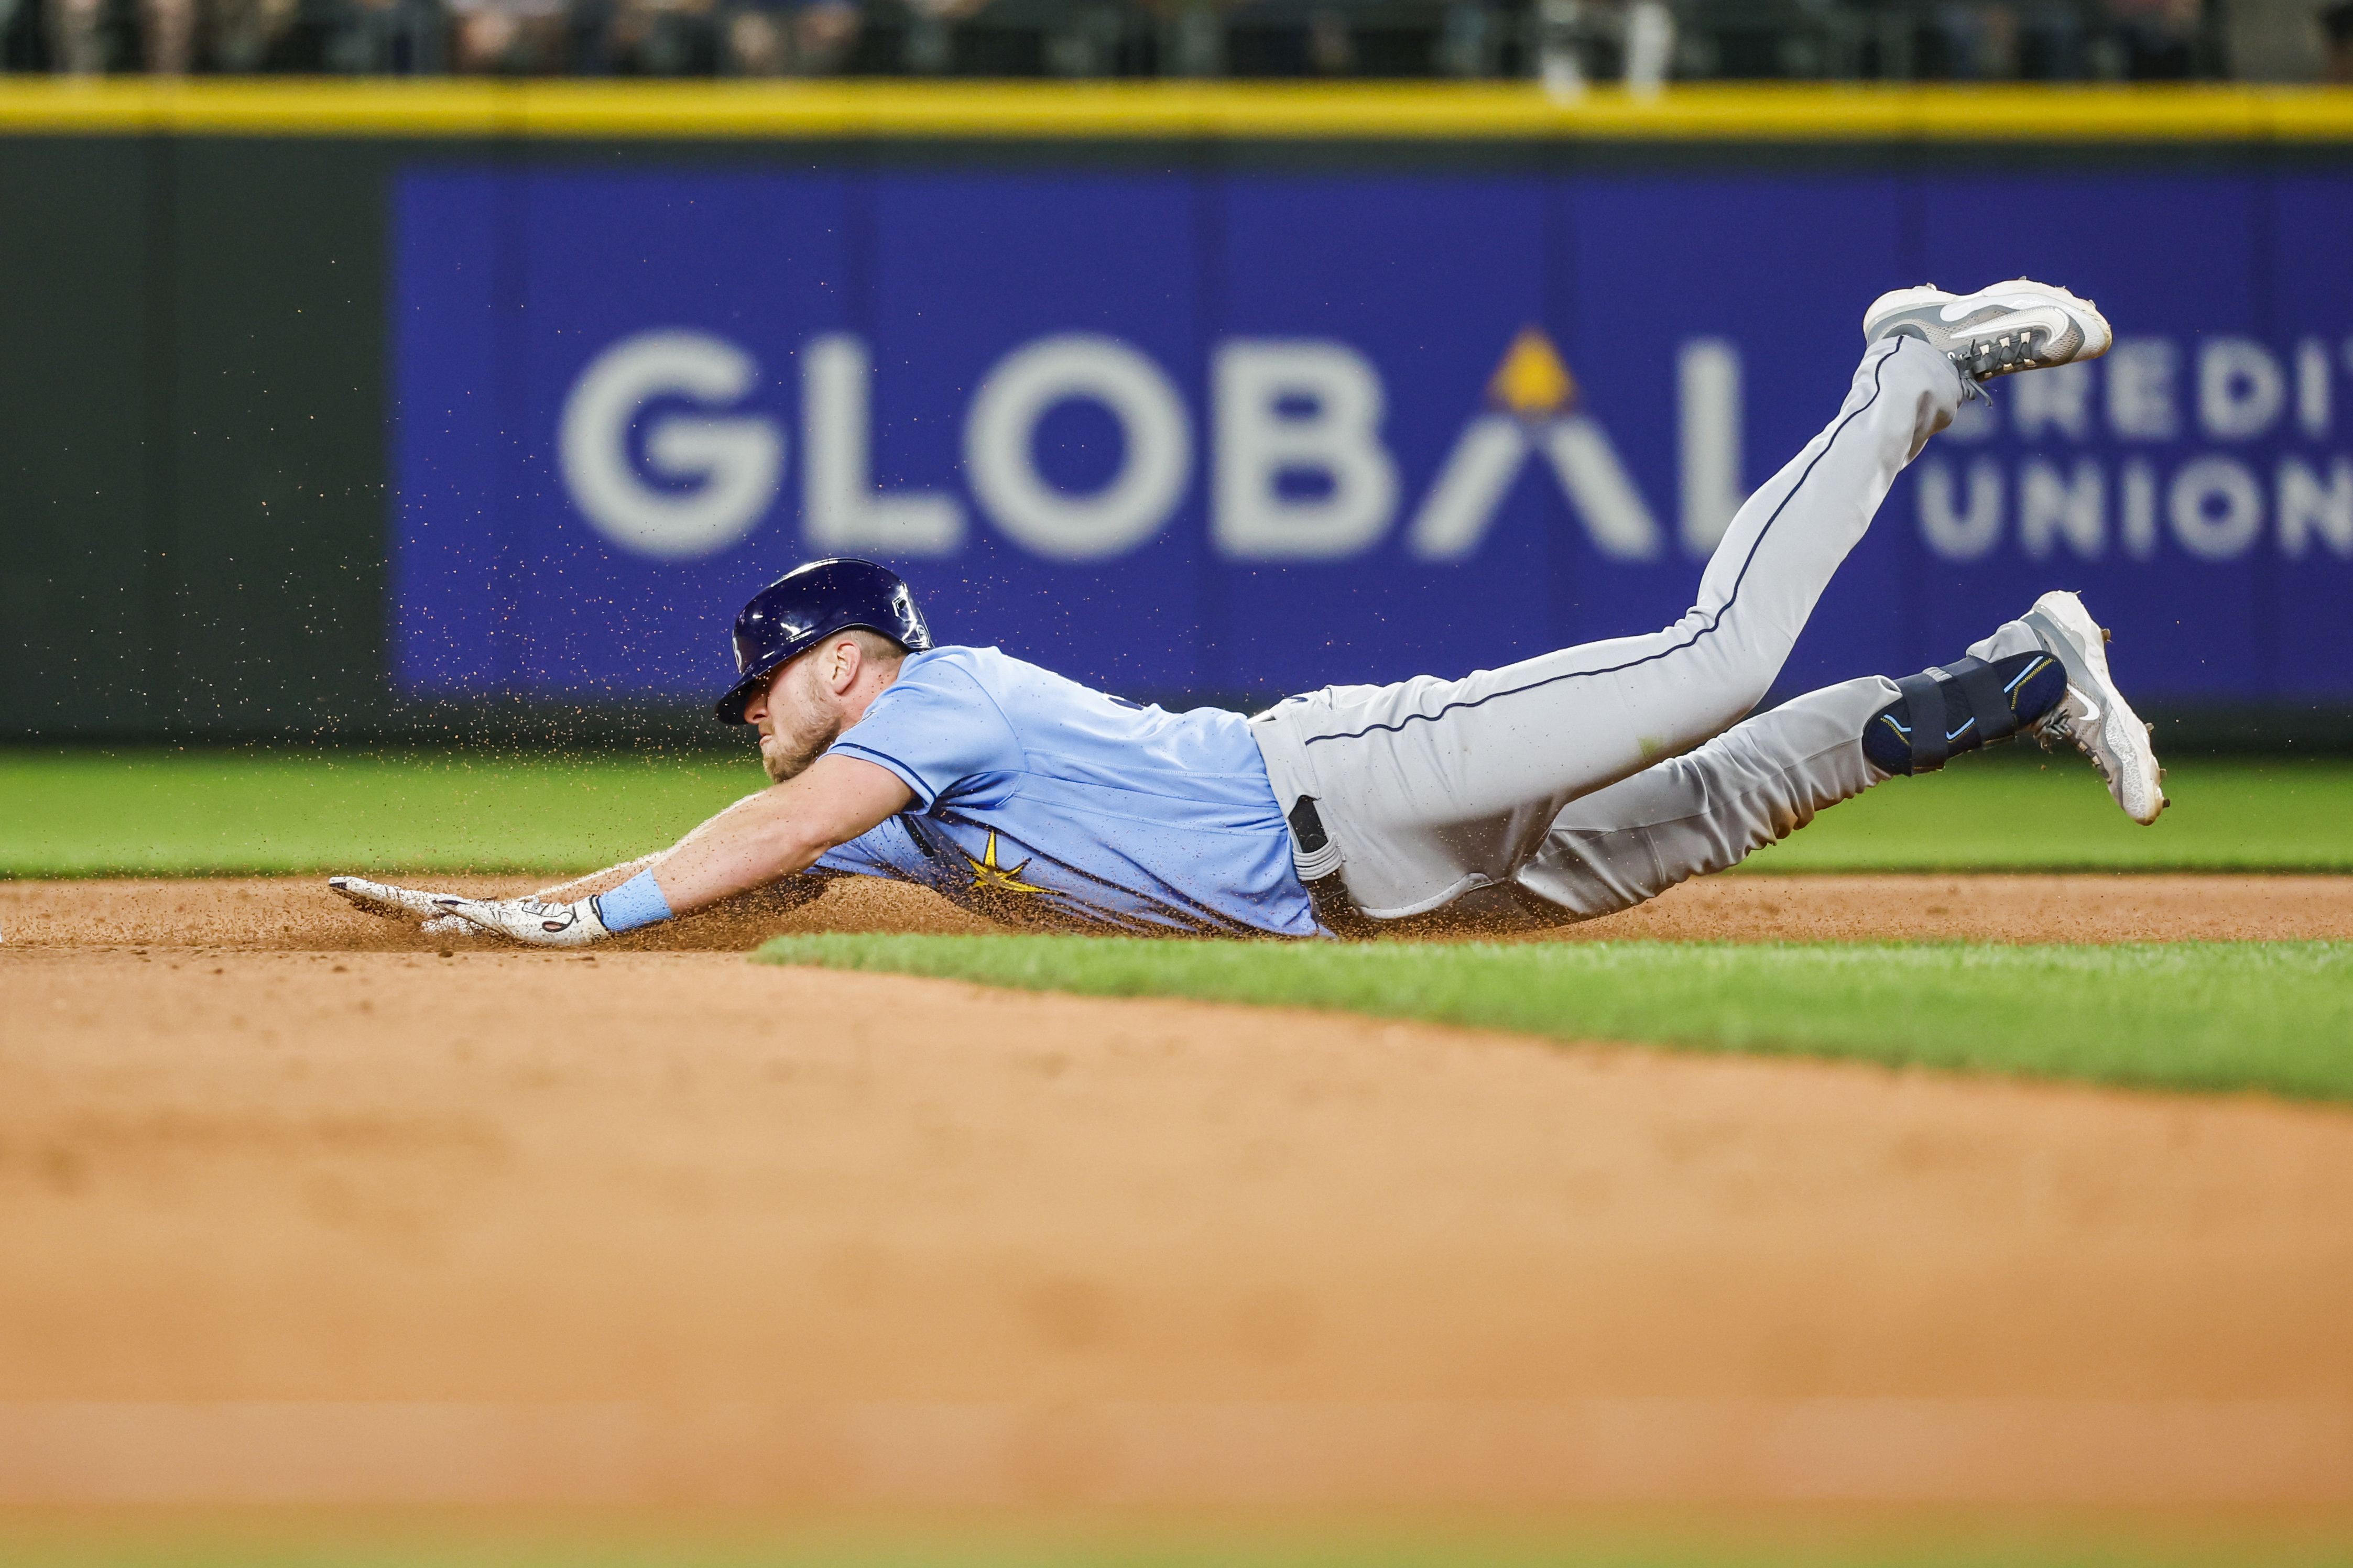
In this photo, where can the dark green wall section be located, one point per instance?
(192, 436)
(79, 590)
(274, 462)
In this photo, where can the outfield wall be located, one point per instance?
(369, 410)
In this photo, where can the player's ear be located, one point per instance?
(848, 659)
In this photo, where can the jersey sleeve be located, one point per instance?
(936, 727)
(891, 851)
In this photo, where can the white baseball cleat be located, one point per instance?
(2094, 716)
(2013, 326)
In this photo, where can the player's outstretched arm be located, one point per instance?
(776, 833)
(605, 878)
(603, 881)
(779, 831)
(393, 902)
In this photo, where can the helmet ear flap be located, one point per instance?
(916, 635)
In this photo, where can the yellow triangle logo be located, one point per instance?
(1532, 381)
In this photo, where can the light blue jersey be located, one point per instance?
(1041, 803)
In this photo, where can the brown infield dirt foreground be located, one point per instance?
(294, 1208)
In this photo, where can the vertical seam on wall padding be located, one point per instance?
(159, 417)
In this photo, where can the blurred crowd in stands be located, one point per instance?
(1565, 43)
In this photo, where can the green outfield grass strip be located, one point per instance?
(1701, 1536)
(2018, 809)
(1653, 1536)
(162, 811)
(174, 814)
(2202, 1016)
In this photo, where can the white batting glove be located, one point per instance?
(528, 919)
(532, 921)
(383, 898)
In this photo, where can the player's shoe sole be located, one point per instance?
(2094, 716)
(2013, 326)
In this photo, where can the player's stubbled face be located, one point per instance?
(796, 726)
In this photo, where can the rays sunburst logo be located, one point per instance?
(989, 877)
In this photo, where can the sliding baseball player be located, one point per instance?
(1570, 786)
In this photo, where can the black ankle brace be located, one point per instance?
(1946, 710)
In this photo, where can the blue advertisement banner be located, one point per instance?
(1246, 434)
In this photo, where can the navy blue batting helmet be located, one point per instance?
(810, 604)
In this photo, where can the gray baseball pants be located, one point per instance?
(1755, 785)
(1559, 785)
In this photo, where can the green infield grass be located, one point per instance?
(162, 811)
(1688, 1537)
(2187, 1016)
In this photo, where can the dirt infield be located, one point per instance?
(286, 1218)
(296, 913)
